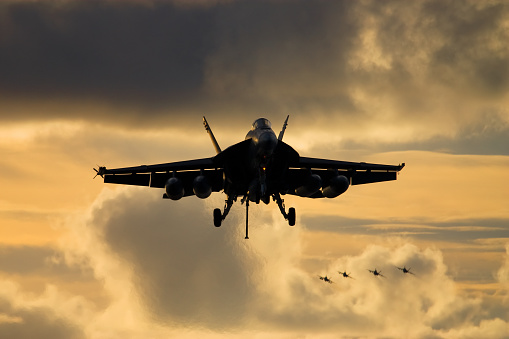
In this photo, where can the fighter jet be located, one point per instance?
(377, 273)
(405, 270)
(260, 168)
(345, 275)
(326, 279)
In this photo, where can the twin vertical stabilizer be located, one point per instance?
(216, 145)
(209, 131)
(280, 137)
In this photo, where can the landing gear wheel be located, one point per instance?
(291, 216)
(217, 217)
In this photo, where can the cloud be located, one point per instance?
(54, 48)
(185, 269)
(397, 72)
(503, 272)
(360, 75)
(166, 271)
(30, 259)
(166, 265)
(457, 230)
(48, 316)
(396, 305)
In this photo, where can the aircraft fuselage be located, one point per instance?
(259, 164)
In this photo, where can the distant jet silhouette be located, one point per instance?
(405, 270)
(345, 275)
(326, 279)
(377, 273)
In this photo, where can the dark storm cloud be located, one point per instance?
(472, 33)
(215, 58)
(103, 49)
(347, 63)
(463, 39)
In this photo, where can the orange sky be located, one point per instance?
(423, 83)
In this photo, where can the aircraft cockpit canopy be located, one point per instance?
(262, 123)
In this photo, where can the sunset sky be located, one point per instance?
(124, 83)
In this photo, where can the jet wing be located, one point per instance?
(196, 164)
(346, 165)
(157, 175)
(357, 172)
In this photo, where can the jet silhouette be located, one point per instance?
(405, 270)
(377, 273)
(326, 279)
(260, 168)
(345, 275)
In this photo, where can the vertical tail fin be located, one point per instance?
(209, 131)
(280, 137)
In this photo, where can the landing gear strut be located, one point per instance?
(219, 217)
(291, 211)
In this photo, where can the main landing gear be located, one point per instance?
(290, 216)
(219, 217)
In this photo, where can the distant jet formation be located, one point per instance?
(345, 275)
(326, 279)
(405, 270)
(377, 273)
(260, 168)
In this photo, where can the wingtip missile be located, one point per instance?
(100, 171)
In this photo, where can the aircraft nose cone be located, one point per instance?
(267, 143)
